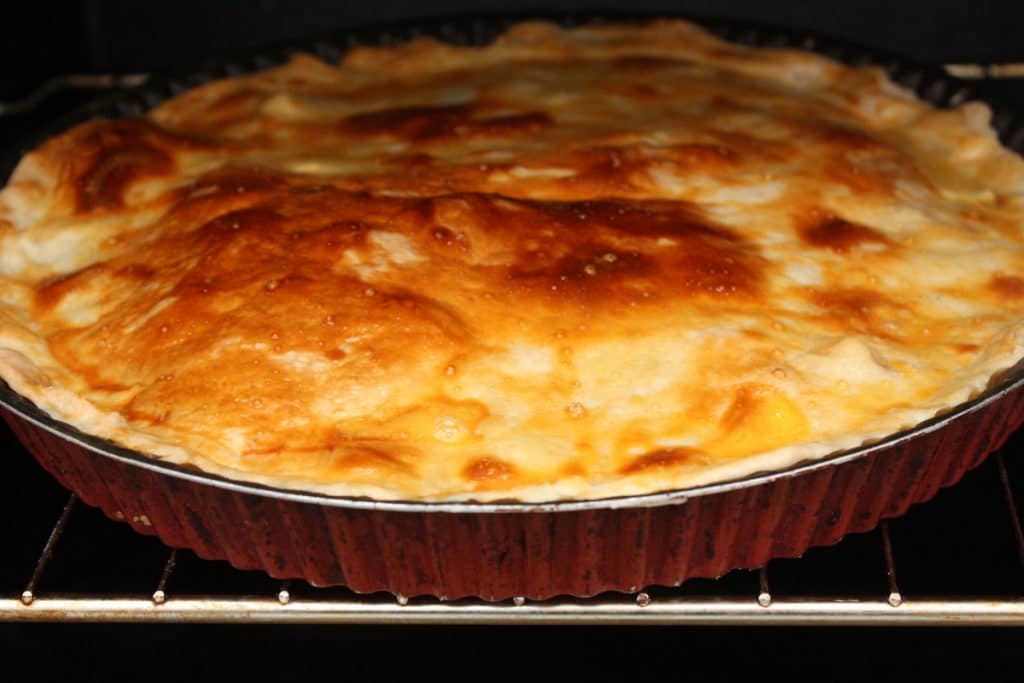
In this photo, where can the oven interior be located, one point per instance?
(955, 561)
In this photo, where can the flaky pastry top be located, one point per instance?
(571, 264)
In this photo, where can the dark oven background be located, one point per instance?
(45, 38)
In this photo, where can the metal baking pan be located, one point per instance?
(538, 551)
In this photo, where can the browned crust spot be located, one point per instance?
(112, 155)
(444, 121)
(489, 470)
(367, 457)
(604, 252)
(573, 468)
(860, 310)
(827, 231)
(745, 402)
(665, 458)
(1008, 287)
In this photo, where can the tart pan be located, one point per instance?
(500, 550)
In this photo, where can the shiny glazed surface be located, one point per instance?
(577, 263)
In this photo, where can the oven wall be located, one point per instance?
(47, 37)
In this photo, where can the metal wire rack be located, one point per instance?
(958, 560)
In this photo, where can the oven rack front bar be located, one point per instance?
(162, 605)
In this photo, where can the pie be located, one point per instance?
(571, 264)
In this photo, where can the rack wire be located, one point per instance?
(43, 598)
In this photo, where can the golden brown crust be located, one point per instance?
(574, 263)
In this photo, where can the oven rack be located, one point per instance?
(723, 602)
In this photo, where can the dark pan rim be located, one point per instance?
(916, 76)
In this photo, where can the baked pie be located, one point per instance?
(572, 264)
